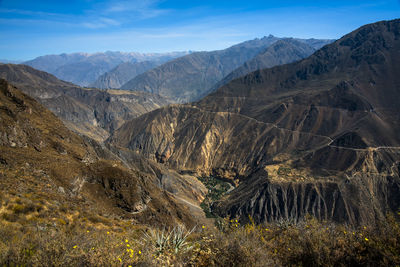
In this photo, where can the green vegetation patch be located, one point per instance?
(216, 189)
(284, 171)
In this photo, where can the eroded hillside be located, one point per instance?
(41, 159)
(316, 136)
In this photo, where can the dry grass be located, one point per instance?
(83, 242)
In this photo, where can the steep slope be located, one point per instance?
(85, 68)
(89, 111)
(316, 136)
(40, 156)
(122, 73)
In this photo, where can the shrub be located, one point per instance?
(287, 243)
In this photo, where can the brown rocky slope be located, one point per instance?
(41, 158)
(316, 136)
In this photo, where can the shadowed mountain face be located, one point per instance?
(190, 77)
(122, 73)
(42, 157)
(92, 112)
(83, 69)
(316, 136)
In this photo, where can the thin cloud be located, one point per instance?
(28, 12)
(93, 25)
(142, 9)
(123, 6)
(98, 16)
(109, 21)
(35, 22)
(101, 23)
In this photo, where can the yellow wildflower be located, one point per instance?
(108, 233)
(126, 240)
(140, 252)
(366, 239)
(128, 245)
(75, 246)
(119, 259)
(203, 226)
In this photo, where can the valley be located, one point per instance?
(271, 152)
(319, 117)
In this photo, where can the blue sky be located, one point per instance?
(37, 27)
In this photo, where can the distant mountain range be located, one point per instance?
(183, 80)
(189, 77)
(84, 68)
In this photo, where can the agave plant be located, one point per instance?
(158, 239)
(179, 239)
(164, 240)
